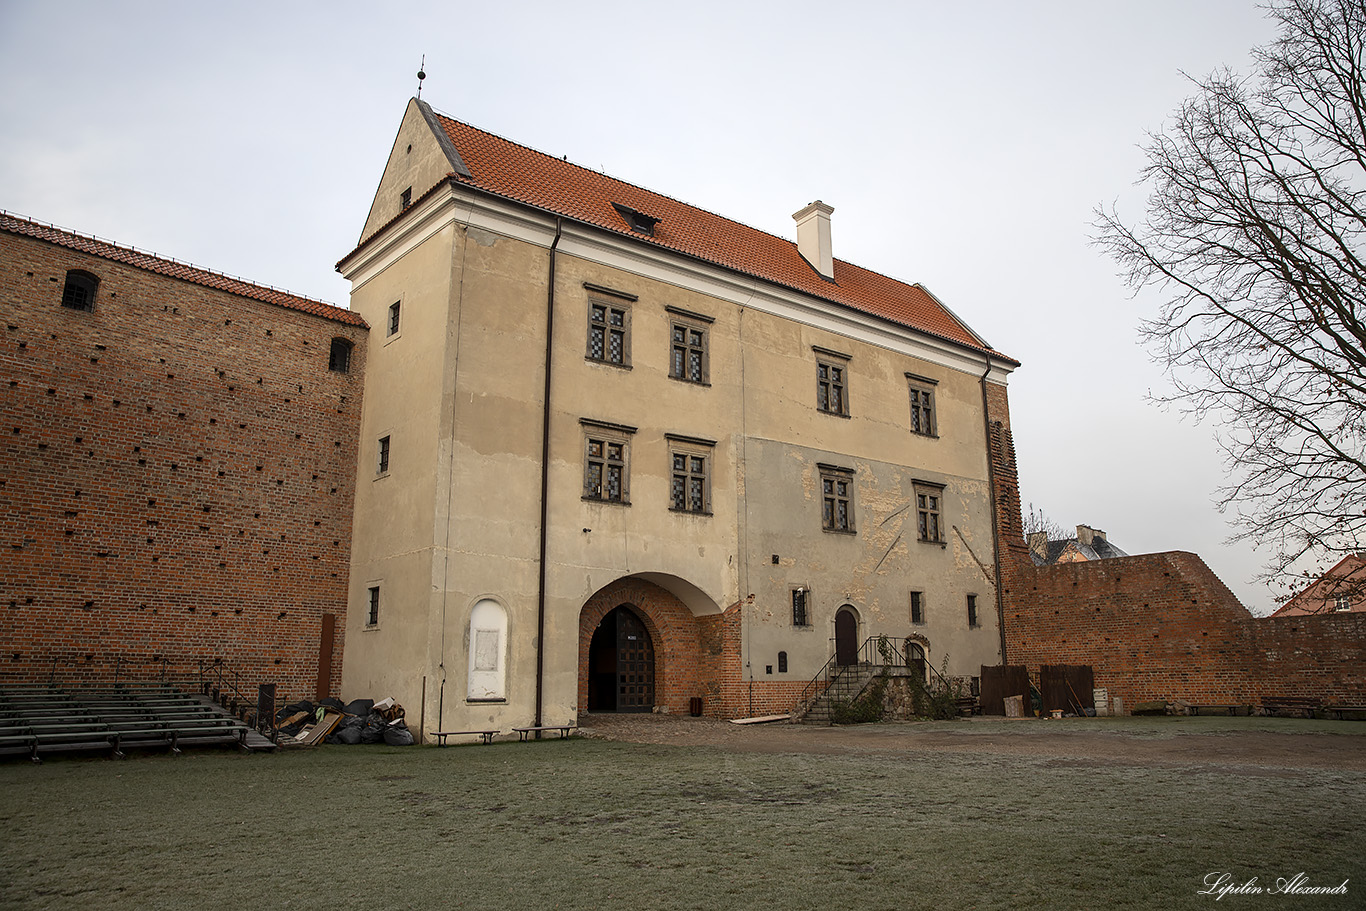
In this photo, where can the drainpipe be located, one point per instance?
(545, 480)
(995, 514)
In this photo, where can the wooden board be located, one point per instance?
(313, 734)
(760, 719)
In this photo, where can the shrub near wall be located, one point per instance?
(178, 474)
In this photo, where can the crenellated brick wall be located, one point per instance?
(177, 480)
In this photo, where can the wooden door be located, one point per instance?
(846, 638)
(635, 663)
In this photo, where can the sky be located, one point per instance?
(963, 146)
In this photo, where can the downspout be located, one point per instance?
(995, 514)
(545, 479)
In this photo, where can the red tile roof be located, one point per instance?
(516, 172)
(139, 259)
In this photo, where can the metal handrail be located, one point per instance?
(876, 650)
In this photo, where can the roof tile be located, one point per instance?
(13, 224)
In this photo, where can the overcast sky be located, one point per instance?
(963, 146)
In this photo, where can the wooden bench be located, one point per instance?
(1293, 706)
(1218, 709)
(564, 729)
(442, 735)
(1340, 710)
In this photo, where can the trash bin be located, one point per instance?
(695, 706)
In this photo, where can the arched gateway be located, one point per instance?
(640, 648)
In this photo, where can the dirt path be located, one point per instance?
(1079, 741)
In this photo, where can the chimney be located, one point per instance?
(813, 238)
(1038, 544)
(1085, 534)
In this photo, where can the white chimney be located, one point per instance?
(813, 237)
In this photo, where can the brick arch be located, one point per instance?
(673, 630)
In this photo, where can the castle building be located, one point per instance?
(618, 453)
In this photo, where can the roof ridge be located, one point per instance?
(15, 223)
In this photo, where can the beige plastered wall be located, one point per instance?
(457, 520)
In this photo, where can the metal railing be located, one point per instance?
(890, 652)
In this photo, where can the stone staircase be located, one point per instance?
(845, 686)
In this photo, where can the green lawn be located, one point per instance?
(593, 824)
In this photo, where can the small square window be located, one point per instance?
(372, 618)
(972, 611)
(928, 503)
(339, 357)
(607, 462)
(800, 615)
(609, 333)
(79, 291)
(382, 458)
(924, 417)
(917, 607)
(837, 499)
(1342, 603)
(391, 326)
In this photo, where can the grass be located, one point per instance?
(593, 824)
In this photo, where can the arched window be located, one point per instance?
(339, 359)
(488, 653)
(782, 662)
(79, 292)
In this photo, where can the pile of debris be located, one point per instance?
(306, 723)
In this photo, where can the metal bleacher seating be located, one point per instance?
(37, 720)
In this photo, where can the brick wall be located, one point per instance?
(177, 482)
(1160, 626)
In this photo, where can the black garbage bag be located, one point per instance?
(332, 703)
(398, 735)
(348, 731)
(359, 707)
(372, 731)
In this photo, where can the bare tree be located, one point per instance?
(1254, 232)
(1036, 520)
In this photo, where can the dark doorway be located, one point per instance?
(621, 664)
(846, 637)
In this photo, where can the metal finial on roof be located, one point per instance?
(421, 75)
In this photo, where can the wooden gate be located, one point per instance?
(635, 664)
(1067, 687)
(1001, 681)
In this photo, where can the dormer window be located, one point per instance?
(637, 221)
(79, 291)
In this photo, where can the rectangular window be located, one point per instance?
(405, 199)
(830, 389)
(923, 416)
(690, 474)
(372, 618)
(382, 460)
(609, 333)
(837, 498)
(928, 502)
(800, 616)
(972, 611)
(606, 461)
(917, 607)
(1342, 603)
(392, 325)
(688, 338)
